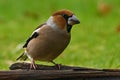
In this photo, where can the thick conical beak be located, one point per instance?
(73, 20)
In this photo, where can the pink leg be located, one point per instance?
(57, 65)
(33, 65)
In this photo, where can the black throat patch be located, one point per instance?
(69, 27)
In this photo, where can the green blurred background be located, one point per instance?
(95, 42)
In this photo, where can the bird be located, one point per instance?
(49, 39)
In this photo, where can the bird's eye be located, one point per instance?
(65, 16)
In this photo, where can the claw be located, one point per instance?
(33, 65)
(58, 66)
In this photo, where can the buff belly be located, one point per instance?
(47, 48)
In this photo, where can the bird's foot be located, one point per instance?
(33, 66)
(58, 66)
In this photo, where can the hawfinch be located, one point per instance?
(50, 38)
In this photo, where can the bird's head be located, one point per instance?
(63, 19)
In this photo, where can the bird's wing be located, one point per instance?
(34, 35)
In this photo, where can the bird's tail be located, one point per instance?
(23, 56)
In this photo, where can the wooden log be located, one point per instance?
(51, 73)
(58, 74)
(25, 66)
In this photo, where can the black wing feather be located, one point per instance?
(35, 34)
